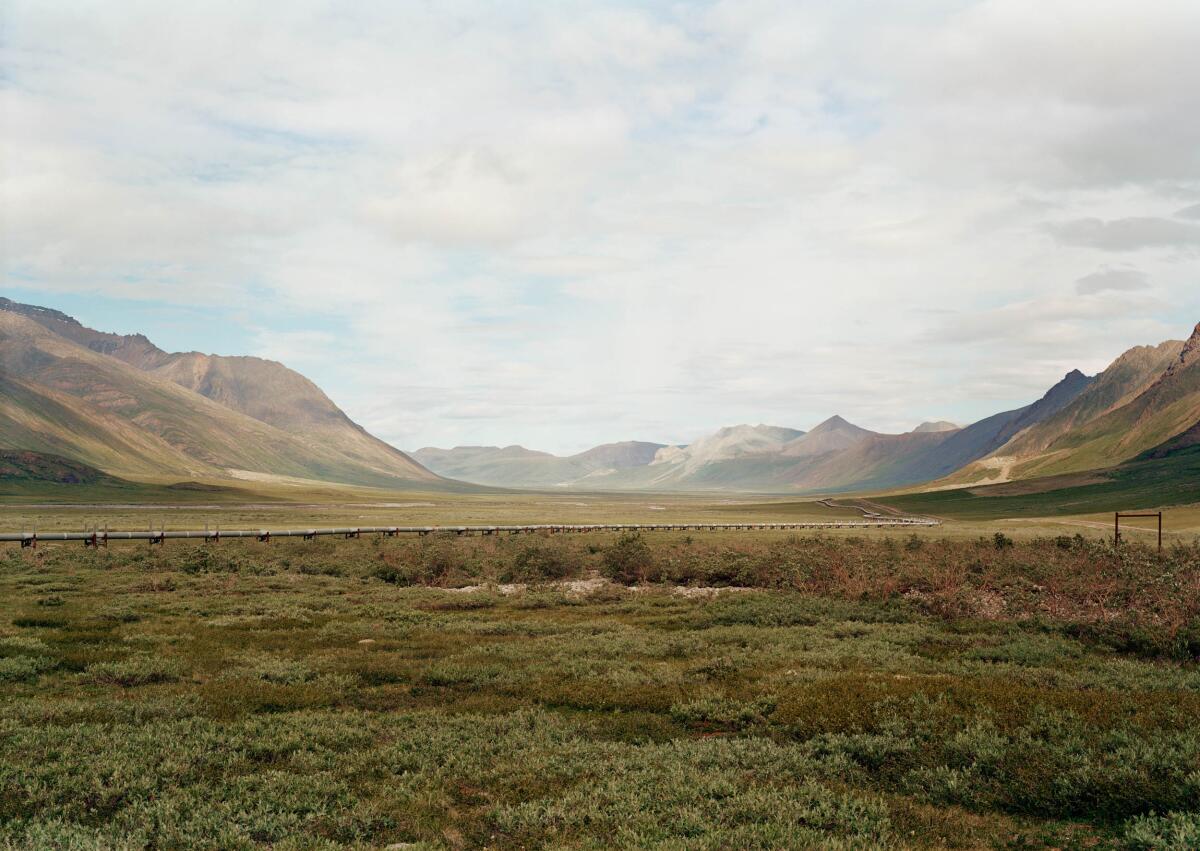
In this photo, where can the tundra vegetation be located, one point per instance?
(712, 691)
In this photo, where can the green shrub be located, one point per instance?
(35, 622)
(207, 558)
(723, 714)
(539, 561)
(628, 560)
(23, 669)
(135, 671)
(1172, 832)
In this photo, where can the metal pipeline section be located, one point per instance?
(157, 536)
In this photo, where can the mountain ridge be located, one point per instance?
(133, 420)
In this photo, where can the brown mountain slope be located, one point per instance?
(142, 412)
(892, 460)
(132, 348)
(617, 456)
(271, 393)
(1169, 407)
(518, 467)
(1128, 375)
(833, 435)
(263, 389)
(1139, 422)
(880, 460)
(44, 420)
(1146, 397)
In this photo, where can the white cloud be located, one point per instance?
(1109, 279)
(1125, 234)
(558, 224)
(1192, 212)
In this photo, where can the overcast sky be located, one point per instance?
(564, 223)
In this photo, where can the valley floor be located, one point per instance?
(767, 691)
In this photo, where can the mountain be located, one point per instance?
(983, 438)
(738, 442)
(940, 425)
(1144, 398)
(834, 456)
(631, 465)
(838, 456)
(1162, 412)
(122, 405)
(518, 467)
(877, 461)
(618, 456)
(832, 435)
(263, 389)
(118, 404)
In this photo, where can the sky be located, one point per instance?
(561, 224)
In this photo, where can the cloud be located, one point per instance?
(1107, 279)
(1192, 212)
(1129, 234)
(560, 224)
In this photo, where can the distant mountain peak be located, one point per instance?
(1191, 349)
(932, 426)
(1069, 385)
(837, 421)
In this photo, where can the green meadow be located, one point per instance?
(665, 691)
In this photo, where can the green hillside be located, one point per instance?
(1140, 484)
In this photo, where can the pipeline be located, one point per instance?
(101, 538)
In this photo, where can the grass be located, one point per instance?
(73, 507)
(852, 693)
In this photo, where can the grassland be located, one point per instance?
(72, 509)
(759, 691)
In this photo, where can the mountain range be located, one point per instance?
(1146, 402)
(82, 399)
(835, 455)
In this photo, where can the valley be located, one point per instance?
(1002, 676)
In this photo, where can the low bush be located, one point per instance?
(23, 669)
(541, 561)
(1178, 831)
(723, 713)
(628, 560)
(135, 671)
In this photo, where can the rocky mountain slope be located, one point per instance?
(1145, 398)
(122, 405)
